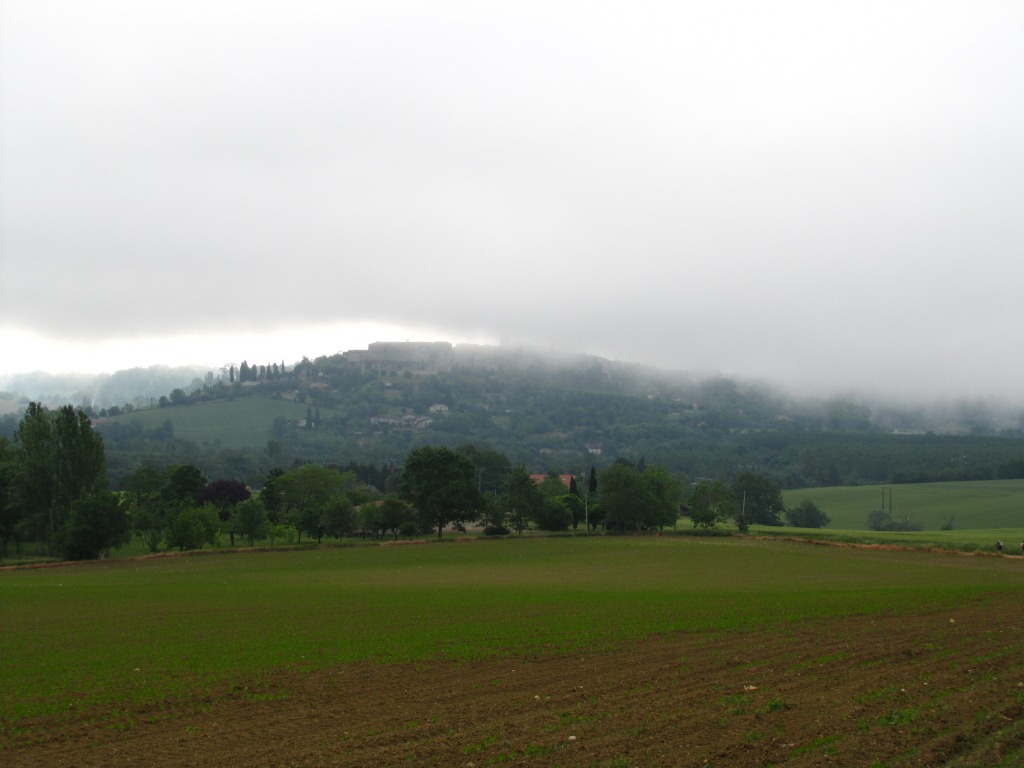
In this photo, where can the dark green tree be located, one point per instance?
(492, 467)
(271, 496)
(191, 527)
(522, 499)
(339, 517)
(711, 503)
(149, 518)
(575, 506)
(183, 484)
(623, 497)
(553, 515)
(760, 496)
(9, 508)
(668, 492)
(370, 519)
(224, 494)
(442, 485)
(396, 516)
(492, 516)
(143, 482)
(807, 515)
(249, 519)
(304, 493)
(636, 499)
(97, 523)
(147, 508)
(61, 460)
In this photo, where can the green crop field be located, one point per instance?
(980, 505)
(125, 632)
(242, 423)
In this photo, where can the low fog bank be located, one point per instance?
(139, 387)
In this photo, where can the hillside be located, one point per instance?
(239, 424)
(137, 387)
(373, 406)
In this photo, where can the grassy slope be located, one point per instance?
(981, 505)
(143, 630)
(242, 423)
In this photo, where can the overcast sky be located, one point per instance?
(821, 195)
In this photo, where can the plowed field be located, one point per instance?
(929, 689)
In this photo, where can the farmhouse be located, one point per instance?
(408, 421)
(568, 480)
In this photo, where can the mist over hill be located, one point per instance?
(549, 412)
(135, 386)
(139, 388)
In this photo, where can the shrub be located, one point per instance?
(807, 515)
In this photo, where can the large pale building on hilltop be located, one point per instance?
(403, 355)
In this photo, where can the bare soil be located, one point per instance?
(938, 688)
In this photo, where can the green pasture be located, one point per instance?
(979, 540)
(148, 630)
(979, 505)
(242, 423)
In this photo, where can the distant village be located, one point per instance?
(418, 355)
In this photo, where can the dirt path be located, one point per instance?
(922, 690)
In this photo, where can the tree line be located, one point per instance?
(54, 493)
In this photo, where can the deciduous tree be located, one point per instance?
(764, 505)
(96, 524)
(9, 508)
(574, 504)
(183, 485)
(191, 527)
(635, 499)
(492, 467)
(224, 494)
(710, 504)
(441, 485)
(249, 519)
(339, 517)
(807, 515)
(304, 493)
(396, 516)
(522, 500)
(552, 515)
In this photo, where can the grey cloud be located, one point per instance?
(797, 192)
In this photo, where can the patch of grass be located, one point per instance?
(975, 505)
(776, 705)
(512, 756)
(900, 717)
(479, 746)
(825, 744)
(245, 422)
(737, 703)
